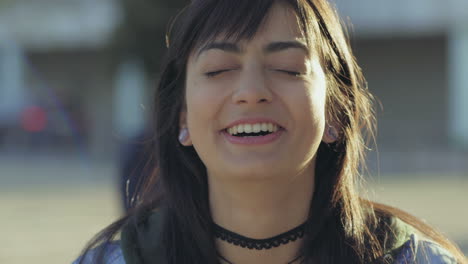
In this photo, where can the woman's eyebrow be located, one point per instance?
(284, 45)
(272, 47)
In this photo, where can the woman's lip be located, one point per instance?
(253, 121)
(253, 140)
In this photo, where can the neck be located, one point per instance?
(261, 209)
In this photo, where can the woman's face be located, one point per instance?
(273, 83)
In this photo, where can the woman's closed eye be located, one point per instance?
(288, 72)
(211, 74)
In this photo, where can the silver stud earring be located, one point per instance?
(183, 135)
(332, 133)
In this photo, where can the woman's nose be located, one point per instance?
(252, 88)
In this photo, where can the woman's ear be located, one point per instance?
(330, 135)
(184, 134)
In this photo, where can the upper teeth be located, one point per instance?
(252, 128)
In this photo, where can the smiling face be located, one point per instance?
(255, 108)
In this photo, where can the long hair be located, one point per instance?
(343, 227)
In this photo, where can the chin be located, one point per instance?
(255, 172)
(253, 166)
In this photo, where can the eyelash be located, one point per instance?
(292, 73)
(214, 73)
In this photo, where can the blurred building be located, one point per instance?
(87, 64)
(57, 55)
(62, 66)
(414, 54)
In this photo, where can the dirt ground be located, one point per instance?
(51, 209)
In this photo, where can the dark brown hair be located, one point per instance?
(345, 228)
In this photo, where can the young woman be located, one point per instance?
(261, 121)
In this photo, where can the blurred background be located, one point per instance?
(76, 79)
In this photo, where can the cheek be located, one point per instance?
(196, 106)
(312, 129)
(203, 104)
(316, 95)
(316, 103)
(312, 113)
(307, 101)
(306, 104)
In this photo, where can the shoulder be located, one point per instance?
(418, 250)
(404, 244)
(112, 255)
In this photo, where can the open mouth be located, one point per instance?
(253, 130)
(259, 134)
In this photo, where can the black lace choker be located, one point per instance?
(259, 244)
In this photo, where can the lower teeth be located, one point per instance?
(251, 135)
